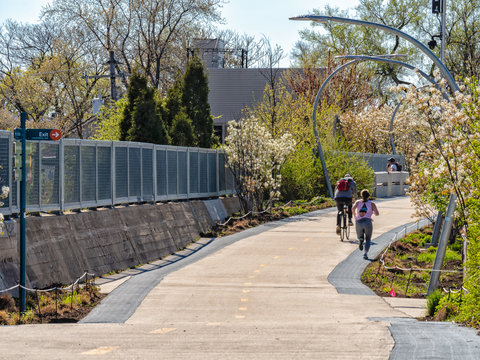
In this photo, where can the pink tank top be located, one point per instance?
(364, 210)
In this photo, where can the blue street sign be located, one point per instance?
(43, 134)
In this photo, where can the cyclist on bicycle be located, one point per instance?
(345, 189)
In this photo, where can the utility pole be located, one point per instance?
(440, 7)
(443, 35)
(113, 76)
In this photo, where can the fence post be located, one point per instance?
(217, 173)
(61, 170)
(442, 246)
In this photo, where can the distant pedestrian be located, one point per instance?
(392, 165)
(363, 210)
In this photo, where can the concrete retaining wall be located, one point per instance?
(62, 248)
(390, 183)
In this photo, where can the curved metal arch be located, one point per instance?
(356, 59)
(323, 19)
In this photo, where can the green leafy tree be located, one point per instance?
(195, 100)
(109, 118)
(413, 17)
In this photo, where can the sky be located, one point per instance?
(269, 18)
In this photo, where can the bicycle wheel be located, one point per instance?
(343, 226)
(347, 230)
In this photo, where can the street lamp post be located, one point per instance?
(443, 31)
(444, 71)
(356, 59)
(323, 19)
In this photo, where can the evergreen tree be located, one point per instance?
(182, 130)
(195, 100)
(141, 121)
(179, 124)
(173, 102)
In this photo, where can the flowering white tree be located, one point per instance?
(443, 161)
(449, 162)
(256, 159)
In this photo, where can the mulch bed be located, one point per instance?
(405, 255)
(51, 310)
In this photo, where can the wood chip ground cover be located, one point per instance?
(411, 253)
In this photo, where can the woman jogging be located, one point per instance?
(362, 211)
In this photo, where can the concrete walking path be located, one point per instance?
(267, 296)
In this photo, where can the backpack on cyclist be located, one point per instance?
(343, 185)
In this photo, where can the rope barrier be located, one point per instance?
(68, 288)
(396, 267)
(269, 209)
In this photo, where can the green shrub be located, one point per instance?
(457, 246)
(432, 302)
(296, 211)
(451, 255)
(302, 174)
(417, 239)
(427, 257)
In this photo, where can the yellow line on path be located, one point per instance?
(162, 331)
(100, 350)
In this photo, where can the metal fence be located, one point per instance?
(74, 174)
(378, 162)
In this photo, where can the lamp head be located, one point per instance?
(432, 43)
(316, 18)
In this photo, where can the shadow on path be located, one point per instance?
(413, 339)
(122, 302)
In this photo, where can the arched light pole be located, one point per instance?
(444, 71)
(323, 19)
(356, 59)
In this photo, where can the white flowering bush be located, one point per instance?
(448, 161)
(441, 163)
(256, 159)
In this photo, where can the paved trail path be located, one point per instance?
(263, 294)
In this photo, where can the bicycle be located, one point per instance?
(344, 228)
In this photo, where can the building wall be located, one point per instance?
(231, 90)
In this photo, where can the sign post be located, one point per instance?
(23, 203)
(23, 134)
